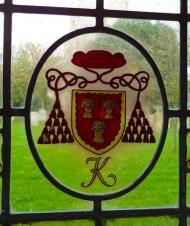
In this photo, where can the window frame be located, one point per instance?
(182, 211)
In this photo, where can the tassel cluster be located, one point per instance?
(56, 129)
(138, 129)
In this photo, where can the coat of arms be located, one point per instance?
(98, 119)
(98, 116)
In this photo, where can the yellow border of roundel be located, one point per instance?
(122, 125)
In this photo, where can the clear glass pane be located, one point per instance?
(45, 29)
(59, 3)
(32, 35)
(136, 5)
(154, 36)
(60, 223)
(188, 190)
(149, 221)
(30, 190)
(160, 188)
(1, 59)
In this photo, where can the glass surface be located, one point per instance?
(188, 188)
(154, 36)
(60, 223)
(30, 190)
(160, 188)
(1, 58)
(67, 161)
(172, 6)
(58, 3)
(149, 221)
(32, 35)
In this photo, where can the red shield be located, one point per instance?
(98, 119)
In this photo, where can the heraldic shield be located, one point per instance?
(98, 118)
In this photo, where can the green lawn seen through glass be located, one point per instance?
(31, 191)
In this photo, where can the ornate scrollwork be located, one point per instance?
(91, 61)
(58, 80)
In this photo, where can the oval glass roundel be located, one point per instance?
(96, 114)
